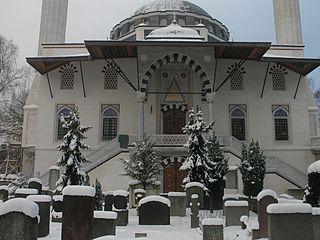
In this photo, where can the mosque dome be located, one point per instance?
(160, 13)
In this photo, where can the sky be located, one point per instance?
(247, 20)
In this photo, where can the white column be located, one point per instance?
(141, 97)
(210, 97)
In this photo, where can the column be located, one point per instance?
(210, 97)
(141, 97)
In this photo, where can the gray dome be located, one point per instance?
(171, 5)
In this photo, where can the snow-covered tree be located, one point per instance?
(19, 182)
(71, 147)
(99, 197)
(312, 191)
(144, 165)
(196, 145)
(252, 168)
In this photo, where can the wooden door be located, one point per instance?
(173, 177)
(173, 121)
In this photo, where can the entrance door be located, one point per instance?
(173, 177)
(173, 121)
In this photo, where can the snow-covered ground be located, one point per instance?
(179, 229)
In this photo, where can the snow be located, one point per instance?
(286, 208)
(35, 180)
(109, 193)
(23, 205)
(4, 187)
(120, 193)
(57, 198)
(155, 199)
(244, 219)
(284, 200)
(233, 168)
(287, 196)
(236, 204)
(26, 191)
(79, 191)
(54, 168)
(316, 211)
(176, 194)
(194, 184)
(266, 192)
(212, 221)
(139, 190)
(56, 214)
(39, 198)
(314, 167)
(194, 196)
(105, 215)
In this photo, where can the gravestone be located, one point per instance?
(154, 210)
(77, 212)
(57, 207)
(290, 221)
(194, 188)
(54, 174)
(120, 206)
(4, 193)
(108, 201)
(212, 228)
(43, 202)
(194, 206)
(178, 203)
(35, 183)
(18, 220)
(104, 223)
(138, 195)
(25, 192)
(316, 222)
(234, 210)
(265, 198)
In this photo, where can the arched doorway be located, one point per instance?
(173, 121)
(172, 175)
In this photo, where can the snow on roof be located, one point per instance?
(212, 221)
(139, 190)
(194, 184)
(109, 193)
(79, 191)
(267, 55)
(39, 198)
(314, 167)
(266, 192)
(176, 194)
(286, 208)
(54, 168)
(105, 215)
(57, 198)
(4, 187)
(23, 205)
(120, 193)
(26, 191)
(35, 180)
(236, 204)
(155, 198)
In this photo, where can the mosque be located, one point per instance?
(170, 56)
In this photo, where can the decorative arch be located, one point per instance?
(181, 107)
(176, 58)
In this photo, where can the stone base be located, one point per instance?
(123, 218)
(103, 227)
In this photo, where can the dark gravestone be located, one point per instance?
(265, 198)
(104, 223)
(18, 220)
(43, 202)
(234, 210)
(25, 192)
(77, 212)
(138, 195)
(290, 221)
(35, 183)
(316, 223)
(4, 193)
(54, 174)
(108, 201)
(154, 210)
(212, 228)
(194, 206)
(178, 203)
(57, 207)
(120, 206)
(195, 188)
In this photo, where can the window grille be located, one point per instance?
(67, 73)
(278, 78)
(238, 123)
(63, 110)
(181, 22)
(163, 22)
(236, 79)
(281, 128)
(110, 122)
(110, 77)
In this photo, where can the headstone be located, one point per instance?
(234, 210)
(138, 195)
(178, 203)
(229, 197)
(54, 174)
(25, 192)
(290, 221)
(35, 183)
(154, 210)
(43, 202)
(104, 223)
(194, 188)
(18, 220)
(194, 206)
(120, 206)
(57, 207)
(4, 193)
(232, 177)
(265, 198)
(77, 212)
(316, 222)
(108, 201)
(212, 228)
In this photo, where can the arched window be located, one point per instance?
(67, 73)
(281, 126)
(110, 77)
(278, 78)
(238, 123)
(110, 121)
(236, 80)
(63, 110)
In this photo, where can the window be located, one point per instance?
(181, 22)
(63, 110)
(163, 22)
(67, 72)
(278, 78)
(110, 77)
(238, 122)
(236, 79)
(110, 121)
(280, 117)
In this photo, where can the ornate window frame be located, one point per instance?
(280, 116)
(241, 114)
(110, 77)
(67, 76)
(278, 74)
(109, 120)
(237, 78)
(59, 131)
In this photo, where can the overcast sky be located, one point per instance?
(247, 20)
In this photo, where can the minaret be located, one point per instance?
(287, 22)
(53, 22)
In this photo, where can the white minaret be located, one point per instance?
(53, 22)
(288, 22)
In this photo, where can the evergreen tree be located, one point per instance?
(253, 169)
(99, 197)
(195, 162)
(70, 147)
(145, 163)
(312, 191)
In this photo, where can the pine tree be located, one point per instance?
(196, 145)
(144, 165)
(70, 147)
(99, 197)
(253, 169)
(312, 191)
